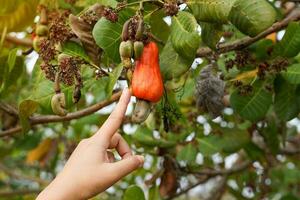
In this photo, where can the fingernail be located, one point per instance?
(141, 160)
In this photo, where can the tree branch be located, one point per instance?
(247, 41)
(22, 42)
(21, 176)
(206, 175)
(219, 189)
(8, 108)
(230, 171)
(201, 181)
(287, 151)
(54, 118)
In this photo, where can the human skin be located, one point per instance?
(91, 168)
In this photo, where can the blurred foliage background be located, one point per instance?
(201, 141)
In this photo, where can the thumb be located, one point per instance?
(126, 166)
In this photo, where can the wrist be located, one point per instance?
(60, 189)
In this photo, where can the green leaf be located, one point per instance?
(289, 197)
(253, 151)
(14, 73)
(63, 4)
(231, 140)
(144, 136)
(184, 36)
(252, 106)
(108, 35)
(26, 109)
(159, 27)
(11, 60)
(211, 34)
(82, 126)
(154, 193)
(207, 145)
(74, 49)
(113, 78)
(292, 74)
(15, 15)
(43, 91)
(261, 49)
(284, 177)
(99, 87)
(270, 134)
(214, 11)
(29, 142)
(172, 64)
(252, 17)
(110, 3)
(8, 6)
(286, 103)
(134, 193)
(188, 154)
(289, 46)
(3, 69)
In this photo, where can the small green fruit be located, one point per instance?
(127, 63)
(58, 104)
(62, 56)
(42, 30)
(138, 49)
(126, 49)
(129, 75)
(37, 43)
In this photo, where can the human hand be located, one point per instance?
(91, 168)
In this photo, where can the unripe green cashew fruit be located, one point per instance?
(37, 43)
(126, 49)
(138, 47)
(129, 74)
(58, 104)
(42, 30)
(62, 56)
(141, 111)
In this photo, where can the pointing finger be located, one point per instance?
(115, 119)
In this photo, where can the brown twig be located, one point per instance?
(206, 175)
(219, 189)
(54, 118)
(247, 41)
(8, 108)
(17, 175)
(153, 37)
(287, 151)
(201, 181)
(230, 171)
(154, 177)
(26, 42)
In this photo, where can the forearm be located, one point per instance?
(60, 190)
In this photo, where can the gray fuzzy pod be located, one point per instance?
(210, 90)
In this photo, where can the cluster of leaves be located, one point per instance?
(178, 139)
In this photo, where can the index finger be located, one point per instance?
(112, 124)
